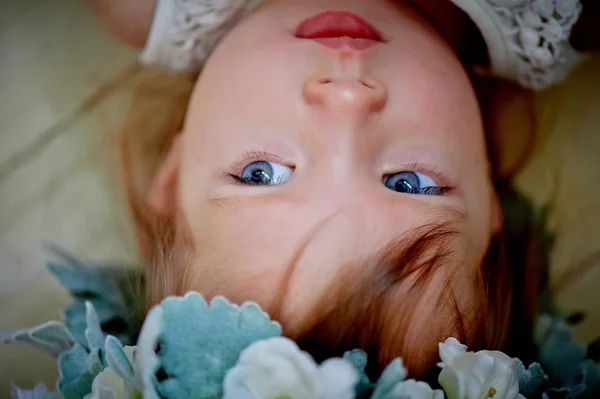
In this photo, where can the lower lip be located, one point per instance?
(339, 30)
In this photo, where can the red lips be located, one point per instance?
(337, 29)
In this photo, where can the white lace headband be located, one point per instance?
(527, 40)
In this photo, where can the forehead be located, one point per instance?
(283, 219)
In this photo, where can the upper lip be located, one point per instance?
(331, 24)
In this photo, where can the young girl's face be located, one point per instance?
(294, 152)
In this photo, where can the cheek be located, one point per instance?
(252, 69)
(244, 256)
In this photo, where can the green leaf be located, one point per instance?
(564, 393)
(110, 291)
(358, 358)
(82, 278)
(95, 361)
(40, 391)
(75, 379)
(561, 355)
(147, 348)
(117, 360)
(532, 380)
(78, 388)
(591, 379)
(542, 329)
(77, 320)
(52, 337)
(93, 333)
(186, 346)
(393, 374)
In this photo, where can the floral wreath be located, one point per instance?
(188, 348)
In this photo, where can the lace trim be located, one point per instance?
(192, 31)
(527, 39)
(537, 38)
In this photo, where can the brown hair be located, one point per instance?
(352, 314)
(360, 310)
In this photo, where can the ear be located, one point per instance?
(162, 195)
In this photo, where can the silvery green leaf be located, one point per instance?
(115, 292)
(542, 329)
(75, 379)
(93, 332)
(561, 355)
(40, 391)
(147, 348)
(110, 385)
(186, 346)
(52, 337)
(564, 393)
(591, 379)
(80, 277)
(79, 388)
(117, 360)
(532, 380)
(77, 321)
(95, 361)
(393, 374)
(358, 358)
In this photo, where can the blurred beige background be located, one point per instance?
(63, 91)
(64, 86)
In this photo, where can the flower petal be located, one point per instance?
(339, 379)
(450, 349)
(477, 375)
(234, 386)
(277, 367)
(416, 390)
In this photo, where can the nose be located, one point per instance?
(358, 96)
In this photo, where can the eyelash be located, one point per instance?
(246, 159)
(439, 191)
(240, 180)
(264, 155)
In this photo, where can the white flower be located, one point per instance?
(481, 375)
(411, 389)
(277, 368)
(450, 350)
(109, 385)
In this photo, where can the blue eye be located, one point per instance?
(412, 183)
(265, 173)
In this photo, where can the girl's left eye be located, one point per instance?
(263, 173)
(412, 183)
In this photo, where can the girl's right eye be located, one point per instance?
(263, 173)
(409, 182)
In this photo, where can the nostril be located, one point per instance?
(367, 84)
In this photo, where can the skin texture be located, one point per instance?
(343, 120)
